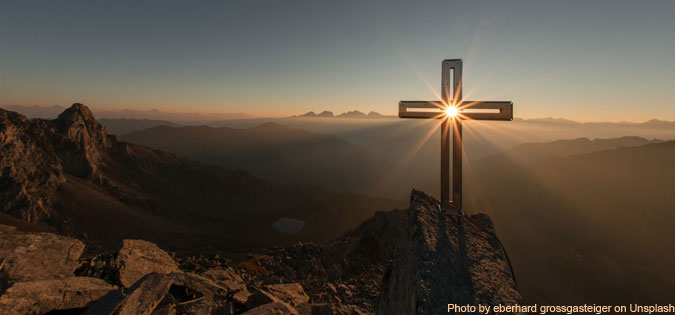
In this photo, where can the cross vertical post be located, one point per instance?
(452, 109)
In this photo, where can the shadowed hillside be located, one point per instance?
(122, 126)
(593, 227)
(273, 152)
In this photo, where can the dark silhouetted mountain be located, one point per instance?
(352, 114)
(325, 113)
(122, 126)
(273, 152)
(70, 175)
(308, 114)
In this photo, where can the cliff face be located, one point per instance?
(445, 260)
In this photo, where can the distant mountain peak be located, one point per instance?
(268, 125)
(348, 114)
(325, 113)
(352, 114)
(77, 112)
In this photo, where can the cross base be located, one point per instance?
(451, 212)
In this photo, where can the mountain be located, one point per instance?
(70, 175)
(325, 113)
(395, 262)
(122, 126)
(352, 114)
(587, 227)
(309, 114)
(565, 148)
(273, 152)
(659, 123)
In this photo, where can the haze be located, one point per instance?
(587, 61)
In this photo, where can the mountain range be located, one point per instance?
(349, 114)
(84, 182)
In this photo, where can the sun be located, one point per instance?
(451, 111)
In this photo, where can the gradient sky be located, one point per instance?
(585, 60)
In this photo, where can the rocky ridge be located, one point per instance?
(411, 261)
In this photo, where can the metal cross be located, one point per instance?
(453, 108)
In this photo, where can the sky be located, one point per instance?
(582, 60)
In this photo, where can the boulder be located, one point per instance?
(291, 293)
(145, 295)
(195, 286)
(138, 258)
(178, 292)
(262, 297)
(38, 256)
(41, 296)
(240, 298)
(226, 277)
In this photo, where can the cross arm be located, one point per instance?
(490, 110)
(420, 109)
(473, 110)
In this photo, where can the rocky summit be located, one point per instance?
(413, 261)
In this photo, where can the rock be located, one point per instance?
(41, 296)
(261, 298)
(330, 288)
(273, 308)
(38, 256)
(343, 290)
(195, 286)
(178, 292)
(137, 258)
(145, 295)
(241, 297)
(226, 277)
(445, 259)
(106, 304)
(291, 293)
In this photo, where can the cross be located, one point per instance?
(452, 108)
